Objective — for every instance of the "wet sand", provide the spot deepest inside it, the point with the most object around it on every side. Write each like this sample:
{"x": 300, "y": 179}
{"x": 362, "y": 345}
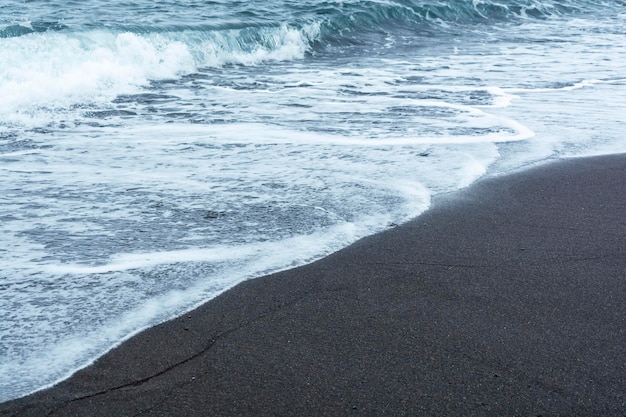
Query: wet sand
{"x": 508, "y": 298}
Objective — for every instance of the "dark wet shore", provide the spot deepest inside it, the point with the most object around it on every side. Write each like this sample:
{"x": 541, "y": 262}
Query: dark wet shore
{"x": 508, "y": 298}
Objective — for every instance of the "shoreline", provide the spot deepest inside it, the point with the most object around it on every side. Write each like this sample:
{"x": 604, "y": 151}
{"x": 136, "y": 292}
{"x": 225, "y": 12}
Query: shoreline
{"x": 504, "y": 298}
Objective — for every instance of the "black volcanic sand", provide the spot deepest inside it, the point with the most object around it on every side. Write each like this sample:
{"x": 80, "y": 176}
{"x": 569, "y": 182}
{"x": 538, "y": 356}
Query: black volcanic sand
{"x": 508, "y": 298}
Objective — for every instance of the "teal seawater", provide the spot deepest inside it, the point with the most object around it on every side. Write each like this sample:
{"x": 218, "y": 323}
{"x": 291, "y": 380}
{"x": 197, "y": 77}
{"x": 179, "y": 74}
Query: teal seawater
{"x": 341, "y": 20}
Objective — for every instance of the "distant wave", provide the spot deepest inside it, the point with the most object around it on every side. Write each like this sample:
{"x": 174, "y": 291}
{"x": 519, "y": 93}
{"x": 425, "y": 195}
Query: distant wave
{"x": 82, "y": 62}
{"x": 339, "y": 18}
{"x": 256, "y": 38}
{"x": 347, "y": 20}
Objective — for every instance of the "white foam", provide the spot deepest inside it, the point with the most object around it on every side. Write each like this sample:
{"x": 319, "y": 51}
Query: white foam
{"x": 57, "y": 70}
{"x": 44, "y": 73}
{"x": 58, "y": 359}
{"x": 131, "y": 261}
{"x": 506, "y": 130}
{"x": 281, "y": 44}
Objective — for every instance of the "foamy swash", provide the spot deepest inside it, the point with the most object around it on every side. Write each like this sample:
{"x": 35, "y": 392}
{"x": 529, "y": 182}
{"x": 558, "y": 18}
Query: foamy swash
{"x": 153, "y": 155}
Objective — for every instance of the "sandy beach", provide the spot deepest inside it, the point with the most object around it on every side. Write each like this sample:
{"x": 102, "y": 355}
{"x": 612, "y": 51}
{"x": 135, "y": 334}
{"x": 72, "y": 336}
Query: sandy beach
{"x": 507, "y": 298}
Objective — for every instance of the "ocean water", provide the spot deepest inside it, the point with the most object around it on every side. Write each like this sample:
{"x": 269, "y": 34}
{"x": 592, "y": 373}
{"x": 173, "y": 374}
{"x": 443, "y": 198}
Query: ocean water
{"x": 155, "y": 153}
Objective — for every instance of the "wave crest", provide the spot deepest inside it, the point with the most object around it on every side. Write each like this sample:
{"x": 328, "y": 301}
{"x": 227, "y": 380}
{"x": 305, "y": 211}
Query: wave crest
{"x": 58, "y": 69}
{"x": 434, "y": 16}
